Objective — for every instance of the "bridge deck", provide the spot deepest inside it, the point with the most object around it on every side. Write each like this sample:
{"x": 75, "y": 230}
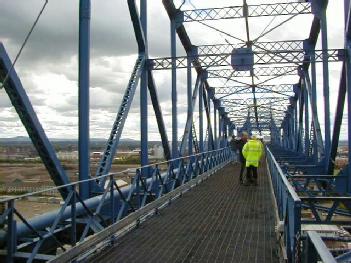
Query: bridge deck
{"x": 217, "y": 221}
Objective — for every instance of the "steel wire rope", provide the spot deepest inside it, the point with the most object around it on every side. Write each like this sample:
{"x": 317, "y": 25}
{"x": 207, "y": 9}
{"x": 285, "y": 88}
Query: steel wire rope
{"x": 278, "y": 25}
{"x": 24, "y": 43}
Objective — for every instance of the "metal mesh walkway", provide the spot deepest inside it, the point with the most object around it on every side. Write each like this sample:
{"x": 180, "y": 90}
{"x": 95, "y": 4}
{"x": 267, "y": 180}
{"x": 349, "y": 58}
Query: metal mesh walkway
{"x": 217, "y": 221}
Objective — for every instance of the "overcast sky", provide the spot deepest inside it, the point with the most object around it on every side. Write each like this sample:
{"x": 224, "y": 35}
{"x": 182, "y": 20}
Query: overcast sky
{"x": 48, "y": 66}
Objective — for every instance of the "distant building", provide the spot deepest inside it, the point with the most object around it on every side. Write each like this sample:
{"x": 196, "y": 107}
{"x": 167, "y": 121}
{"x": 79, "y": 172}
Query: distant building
{"x": 67, "y": 155}
{"x": 96, "y": 155}
{"x": 157, "y": 152}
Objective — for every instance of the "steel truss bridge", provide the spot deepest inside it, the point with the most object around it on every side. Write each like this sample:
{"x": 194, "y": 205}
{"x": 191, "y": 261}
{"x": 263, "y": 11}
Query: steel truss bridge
{"x": 247, "y": 84}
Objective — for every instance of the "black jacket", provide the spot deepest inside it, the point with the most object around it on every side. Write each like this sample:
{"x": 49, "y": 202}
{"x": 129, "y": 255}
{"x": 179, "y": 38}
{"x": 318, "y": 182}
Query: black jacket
{"x": 238, "y": 145}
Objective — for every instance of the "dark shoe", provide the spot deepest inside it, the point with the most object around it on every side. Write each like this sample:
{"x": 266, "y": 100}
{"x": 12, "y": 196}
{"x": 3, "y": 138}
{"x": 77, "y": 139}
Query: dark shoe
{"x": 241, "y": 181}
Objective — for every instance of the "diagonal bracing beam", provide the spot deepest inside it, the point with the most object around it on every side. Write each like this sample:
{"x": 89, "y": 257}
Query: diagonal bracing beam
{"x": 24, "y": 108}
{"x": 117, "y": 128}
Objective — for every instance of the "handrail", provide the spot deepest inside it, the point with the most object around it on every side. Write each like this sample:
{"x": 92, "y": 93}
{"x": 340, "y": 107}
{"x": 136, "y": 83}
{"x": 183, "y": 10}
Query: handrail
{"x": 283, "y": 177}
{"x": 106, "y": 175}
{"x": 110, "y": 206}
{"x": 289, "y": 208}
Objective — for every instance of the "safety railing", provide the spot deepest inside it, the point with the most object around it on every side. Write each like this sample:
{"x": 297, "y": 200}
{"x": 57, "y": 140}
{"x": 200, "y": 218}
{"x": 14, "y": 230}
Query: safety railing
{"x": 315, "y": 250}
{"x": 322, "y": 199}
{"x": 151, "y": 187}
{"x": 325, "y": 185}
{"x": 289, "y": 208}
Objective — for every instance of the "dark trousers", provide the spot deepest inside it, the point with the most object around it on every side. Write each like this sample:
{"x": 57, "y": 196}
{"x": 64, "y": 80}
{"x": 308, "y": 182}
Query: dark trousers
{"x": 251, "y": 173}
{"x": 242, "y": 169}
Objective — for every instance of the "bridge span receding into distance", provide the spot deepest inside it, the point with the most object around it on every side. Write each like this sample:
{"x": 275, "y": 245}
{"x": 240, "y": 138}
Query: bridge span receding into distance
{"x": 190, "y": 207}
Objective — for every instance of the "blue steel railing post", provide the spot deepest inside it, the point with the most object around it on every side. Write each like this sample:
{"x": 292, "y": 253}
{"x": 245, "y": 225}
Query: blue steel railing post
{"x": 174, "y": 90}
{"x": 144, "y": 160}
{"x": 112, "y": 199}
{"x": 201, "y": 118}
{"x": 190, "y": 107}
{"x": 83, "y": 78}
{"x": 73, "y": 217}
{"x": 297, "y": 229}
{"x": 11, "y": 232}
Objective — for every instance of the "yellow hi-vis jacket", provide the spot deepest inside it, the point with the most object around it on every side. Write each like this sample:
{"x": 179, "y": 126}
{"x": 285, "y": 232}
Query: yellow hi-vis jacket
{"x": 253, "y": 151}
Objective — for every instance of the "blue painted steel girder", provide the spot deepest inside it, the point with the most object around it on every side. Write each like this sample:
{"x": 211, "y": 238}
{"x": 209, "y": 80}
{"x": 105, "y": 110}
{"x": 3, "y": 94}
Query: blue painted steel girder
{"x": 283, "y": 89}
{"x": 24, "y": 108}
{"x": 271, "y": 71}
{"x": 83, "y": 98}
{"x": 233, "y": 12}
{"x": 256, "y": 46}
{"x": 261, "y": 58}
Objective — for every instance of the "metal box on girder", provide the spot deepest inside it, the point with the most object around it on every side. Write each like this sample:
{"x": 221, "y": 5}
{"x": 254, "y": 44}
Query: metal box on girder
{"x": 242, "y": 59}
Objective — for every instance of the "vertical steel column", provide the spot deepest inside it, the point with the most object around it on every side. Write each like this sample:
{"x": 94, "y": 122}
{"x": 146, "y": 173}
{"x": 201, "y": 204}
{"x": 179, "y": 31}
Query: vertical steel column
{"x": 324, "y": 36}
{"x": 210, "y": 133}
{"x": 225, "y": 134}
{"x": 295, "y": 125}
{"x": 201, "y": 118}
{"x": 174, "y": 90}
{"x": 314, "y": 102}
{"x": 307, "y": 120}
{"x": 291, "y": 132}
{"x": 215, "y": 124}
{"x": 190, "y": 107}
{"x": 143, "y": 95}
{"x": 83, "y": 99}
{"x": 301, "y": 121}
{"x": 348, "y": 83}
{"x": 220, "y": 126}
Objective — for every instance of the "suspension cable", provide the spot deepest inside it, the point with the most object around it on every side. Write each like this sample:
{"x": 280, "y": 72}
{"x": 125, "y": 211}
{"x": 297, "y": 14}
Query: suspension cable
{"x": 24, "y": 43}
{"x": 280, "y": 24}
{"x": 220, "y": 31}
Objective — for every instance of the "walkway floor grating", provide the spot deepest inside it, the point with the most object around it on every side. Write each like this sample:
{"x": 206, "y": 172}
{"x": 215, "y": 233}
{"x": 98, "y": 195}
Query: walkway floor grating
{"x": 217, "y": 221}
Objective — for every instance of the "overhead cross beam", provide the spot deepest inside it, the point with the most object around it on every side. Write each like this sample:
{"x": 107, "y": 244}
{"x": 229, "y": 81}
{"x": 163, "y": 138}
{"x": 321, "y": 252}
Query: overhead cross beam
{"x": 258, "y": 72}
{"x": 261, "y": 58}
{"x": 232, "y": 12}
{"x": 257, "y": 46}
{"x": 284, "y": 89}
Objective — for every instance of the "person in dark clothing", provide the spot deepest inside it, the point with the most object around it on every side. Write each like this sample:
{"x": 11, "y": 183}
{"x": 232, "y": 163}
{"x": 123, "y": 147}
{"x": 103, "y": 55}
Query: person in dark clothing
{"x": 238, "y": 145}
